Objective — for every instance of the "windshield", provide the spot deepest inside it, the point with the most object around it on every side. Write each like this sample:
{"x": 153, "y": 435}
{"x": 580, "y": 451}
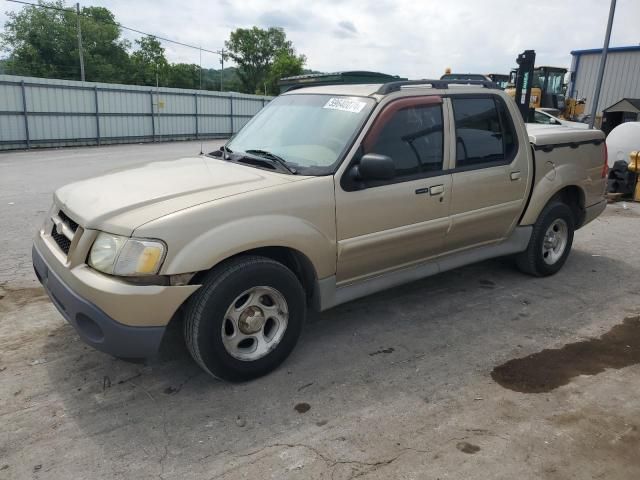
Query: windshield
{"x": 555, "y": 82}
{"x": 309, "y": 132}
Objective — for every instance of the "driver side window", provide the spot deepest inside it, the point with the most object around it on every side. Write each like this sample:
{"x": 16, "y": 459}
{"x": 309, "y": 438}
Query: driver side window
{"x": 413, "y": 138}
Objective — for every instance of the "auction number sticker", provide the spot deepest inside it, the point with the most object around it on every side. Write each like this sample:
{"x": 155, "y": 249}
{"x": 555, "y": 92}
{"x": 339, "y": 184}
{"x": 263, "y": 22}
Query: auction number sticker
{"x": 345, "y": 105}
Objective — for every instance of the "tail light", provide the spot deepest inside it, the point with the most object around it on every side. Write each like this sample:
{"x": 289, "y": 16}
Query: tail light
{"x": 605, "y": 167}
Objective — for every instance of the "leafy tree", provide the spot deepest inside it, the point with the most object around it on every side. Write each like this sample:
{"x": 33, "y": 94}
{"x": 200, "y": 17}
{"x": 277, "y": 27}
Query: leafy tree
{"x": 283, "y": 66}
{"x": 230, "y": 80}
{"x": 184, "y": 75}
{"x": 43, "y": 42}
{"x": 149, "y": 63}
{"x": 106, "y": 57}
{"x": 255, "y": 51}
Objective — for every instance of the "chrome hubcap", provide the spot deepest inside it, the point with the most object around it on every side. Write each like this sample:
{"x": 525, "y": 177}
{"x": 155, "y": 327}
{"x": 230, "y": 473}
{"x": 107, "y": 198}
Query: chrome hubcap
{"x": 255, "y": 323}
{"x": 555, "y": 241}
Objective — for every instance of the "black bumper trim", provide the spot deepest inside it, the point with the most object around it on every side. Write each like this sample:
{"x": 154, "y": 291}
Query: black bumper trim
{"x": 94, "y": 326}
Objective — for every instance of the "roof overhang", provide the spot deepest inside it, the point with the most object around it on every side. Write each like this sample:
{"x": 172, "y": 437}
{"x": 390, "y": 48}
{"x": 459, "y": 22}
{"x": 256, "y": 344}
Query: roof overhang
{"x": 592, "y": 51}
{"x": 625, "y": 105}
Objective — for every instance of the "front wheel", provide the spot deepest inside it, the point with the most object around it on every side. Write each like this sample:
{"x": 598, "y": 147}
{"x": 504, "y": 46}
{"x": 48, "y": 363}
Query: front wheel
{"x": 550, "y": 241}
{"x": 246, "y": 318}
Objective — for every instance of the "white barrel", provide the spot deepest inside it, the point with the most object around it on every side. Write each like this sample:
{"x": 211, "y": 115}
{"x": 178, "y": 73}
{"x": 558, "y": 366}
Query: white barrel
{"x": 623, "y": 140}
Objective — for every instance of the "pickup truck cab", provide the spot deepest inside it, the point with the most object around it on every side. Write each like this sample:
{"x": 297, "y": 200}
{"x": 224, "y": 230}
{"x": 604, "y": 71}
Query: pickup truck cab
{"x": 329, "y": 194}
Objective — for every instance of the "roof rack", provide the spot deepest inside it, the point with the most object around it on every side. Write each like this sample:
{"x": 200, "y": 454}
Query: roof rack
{"x": 439, "y": 84}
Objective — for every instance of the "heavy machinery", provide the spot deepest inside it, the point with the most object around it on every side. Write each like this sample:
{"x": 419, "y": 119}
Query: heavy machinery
{"x": 500, "y": 79}
{"x": 547, "y": 89}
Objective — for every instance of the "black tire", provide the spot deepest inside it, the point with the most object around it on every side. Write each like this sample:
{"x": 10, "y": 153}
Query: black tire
{"x": 206, "y": 309}
{"x": 532, "y": 260}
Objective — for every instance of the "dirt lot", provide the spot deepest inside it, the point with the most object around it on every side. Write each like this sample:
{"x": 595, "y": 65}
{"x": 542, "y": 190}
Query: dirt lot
{"x": 479, "y": 373}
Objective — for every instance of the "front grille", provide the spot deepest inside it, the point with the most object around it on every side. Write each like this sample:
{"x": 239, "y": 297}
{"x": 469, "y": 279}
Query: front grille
{"x": 63, "y": 242}
{"x": 62, "y": 239}
{"x": 70, "y": 223}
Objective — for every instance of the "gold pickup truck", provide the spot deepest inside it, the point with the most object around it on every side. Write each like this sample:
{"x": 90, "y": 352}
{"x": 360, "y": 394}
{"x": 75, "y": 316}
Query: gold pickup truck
{"x": 328, "y": 194}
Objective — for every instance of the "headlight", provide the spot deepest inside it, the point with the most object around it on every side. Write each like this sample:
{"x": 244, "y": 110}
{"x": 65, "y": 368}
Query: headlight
{"x": 125, "y": 256}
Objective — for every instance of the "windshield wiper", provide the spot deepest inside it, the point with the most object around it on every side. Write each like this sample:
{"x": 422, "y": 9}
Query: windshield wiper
{"x": 273, "y": 157}
{"x": 223, "y": 152}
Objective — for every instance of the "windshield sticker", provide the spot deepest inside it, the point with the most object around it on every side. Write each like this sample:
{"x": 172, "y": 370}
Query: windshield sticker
{"x": 345, "y": 105}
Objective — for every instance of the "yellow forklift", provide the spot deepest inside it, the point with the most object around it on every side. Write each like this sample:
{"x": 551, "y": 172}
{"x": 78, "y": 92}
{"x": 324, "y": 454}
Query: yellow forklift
{"x": 548, "y": 91}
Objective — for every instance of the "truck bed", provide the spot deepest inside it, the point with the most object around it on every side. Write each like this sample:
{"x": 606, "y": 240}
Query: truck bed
{"x": 566, "y": 156}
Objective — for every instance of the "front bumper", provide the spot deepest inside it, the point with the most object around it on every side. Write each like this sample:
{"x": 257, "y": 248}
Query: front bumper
{"x": 93, "y": 325}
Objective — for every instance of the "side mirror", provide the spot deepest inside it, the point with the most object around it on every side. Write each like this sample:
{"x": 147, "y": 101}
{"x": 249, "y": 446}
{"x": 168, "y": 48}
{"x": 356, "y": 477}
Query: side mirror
{"x": 374, "y": 166}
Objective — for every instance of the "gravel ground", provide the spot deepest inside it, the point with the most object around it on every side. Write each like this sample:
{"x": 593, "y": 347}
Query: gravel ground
{"x": 433, "y": 380}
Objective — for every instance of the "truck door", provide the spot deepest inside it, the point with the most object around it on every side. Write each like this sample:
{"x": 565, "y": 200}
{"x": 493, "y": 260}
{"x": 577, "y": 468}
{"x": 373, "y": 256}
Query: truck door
{"x": 490, "y": 171}
{"x": 382, "y": 225}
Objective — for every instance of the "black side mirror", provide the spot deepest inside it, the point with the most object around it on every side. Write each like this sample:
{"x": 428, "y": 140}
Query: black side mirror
{"x": 374, "y": 166}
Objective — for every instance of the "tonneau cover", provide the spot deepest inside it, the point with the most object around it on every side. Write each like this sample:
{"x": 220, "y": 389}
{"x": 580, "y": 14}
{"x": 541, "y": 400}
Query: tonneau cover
{"x": 541, "y": 135}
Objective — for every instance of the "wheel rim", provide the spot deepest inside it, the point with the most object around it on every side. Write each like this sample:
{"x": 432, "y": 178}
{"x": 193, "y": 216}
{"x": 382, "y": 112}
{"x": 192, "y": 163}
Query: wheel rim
{"x": 555, "y": 241}
{"x": 255, "y": 323}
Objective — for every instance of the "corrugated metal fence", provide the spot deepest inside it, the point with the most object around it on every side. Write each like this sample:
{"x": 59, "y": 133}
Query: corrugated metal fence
{"x": 38, "y": 112}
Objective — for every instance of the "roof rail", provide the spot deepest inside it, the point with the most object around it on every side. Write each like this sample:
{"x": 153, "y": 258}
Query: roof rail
{"x": 439, "y": 84}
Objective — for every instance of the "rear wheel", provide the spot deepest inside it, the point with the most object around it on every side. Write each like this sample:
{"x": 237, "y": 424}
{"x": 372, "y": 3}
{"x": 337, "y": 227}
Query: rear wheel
{"x": 246, "y": 318}
{"x": 550, "y": 241}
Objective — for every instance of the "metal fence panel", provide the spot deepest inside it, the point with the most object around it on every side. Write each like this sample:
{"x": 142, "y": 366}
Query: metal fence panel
{"x": 59, "y": 127}
{"x": 125, "y": 101}
{"x": 37, "y": 112}
{"x": 12, "y": 129}
{"x": 10, "y": 98}
{"x": 116, "y": 127}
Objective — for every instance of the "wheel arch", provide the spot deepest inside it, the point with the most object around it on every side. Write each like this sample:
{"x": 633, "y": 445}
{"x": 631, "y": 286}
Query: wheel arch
{"x": 574, "y": 197}
{"x": 293, "y": 259}
{"x": 570, "y": 194}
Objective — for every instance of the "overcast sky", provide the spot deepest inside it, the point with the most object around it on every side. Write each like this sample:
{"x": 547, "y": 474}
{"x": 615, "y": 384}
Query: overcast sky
{"x": 412, "y": 38}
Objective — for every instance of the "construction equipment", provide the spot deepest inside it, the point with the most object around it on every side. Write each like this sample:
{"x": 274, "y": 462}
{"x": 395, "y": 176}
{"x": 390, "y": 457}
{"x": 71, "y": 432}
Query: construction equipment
{"x": 634, "y": 166}
{"x": 500, "y": 79}
{"x": 548, "y": 90}
{"x": 521, "y": 90}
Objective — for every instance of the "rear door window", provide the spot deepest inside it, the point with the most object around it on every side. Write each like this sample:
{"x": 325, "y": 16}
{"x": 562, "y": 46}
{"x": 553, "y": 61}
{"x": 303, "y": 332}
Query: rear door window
{"x": 484, "y": 132}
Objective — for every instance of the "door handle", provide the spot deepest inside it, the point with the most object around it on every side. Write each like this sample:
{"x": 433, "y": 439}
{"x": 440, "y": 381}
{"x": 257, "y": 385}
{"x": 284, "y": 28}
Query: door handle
{"x": 436, "y": 190}
{"x": 515, "y": 176}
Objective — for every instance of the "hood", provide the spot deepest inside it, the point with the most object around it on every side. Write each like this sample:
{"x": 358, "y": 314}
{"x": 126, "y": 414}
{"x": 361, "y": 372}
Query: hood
{"x": 121, "y": 201}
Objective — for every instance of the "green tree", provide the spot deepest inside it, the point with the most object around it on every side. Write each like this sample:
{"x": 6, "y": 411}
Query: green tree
{"x": 148, "y": 63}
{"x": 43, "y": 42}
{"x": 184, "y": 75}
{"x": 256, "y": 51}
{"x": 283, "y": 66}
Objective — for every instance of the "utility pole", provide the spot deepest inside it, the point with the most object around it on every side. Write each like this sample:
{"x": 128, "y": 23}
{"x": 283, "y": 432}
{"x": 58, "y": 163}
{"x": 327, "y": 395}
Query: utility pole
{"x": 80, "y": 43}
{"x": 200, "y": 68}
{"x": 221, "y": 69}
{"x": 603, "y": 61}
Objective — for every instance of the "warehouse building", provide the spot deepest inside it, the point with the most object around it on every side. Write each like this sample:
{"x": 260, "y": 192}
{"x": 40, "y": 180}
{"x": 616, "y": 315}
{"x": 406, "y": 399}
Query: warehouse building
{"x": 621, "y": 82}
